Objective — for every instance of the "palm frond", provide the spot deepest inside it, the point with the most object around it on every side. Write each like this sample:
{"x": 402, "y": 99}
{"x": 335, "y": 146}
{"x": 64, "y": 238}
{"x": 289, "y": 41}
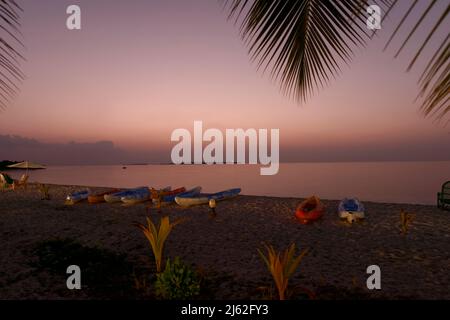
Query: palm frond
{"x": 10, "y": 74}
{"x": 434, "y": 81}
{"x": 303, "y": 42}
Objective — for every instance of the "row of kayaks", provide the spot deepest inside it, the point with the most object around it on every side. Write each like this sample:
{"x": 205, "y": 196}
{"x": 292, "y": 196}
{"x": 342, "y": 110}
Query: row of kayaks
{"x": 181, "y": 196}
{"x": 313, "y": 209}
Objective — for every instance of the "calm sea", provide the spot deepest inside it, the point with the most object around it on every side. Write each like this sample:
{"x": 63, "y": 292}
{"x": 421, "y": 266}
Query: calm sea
{"x": 398, "y": 182}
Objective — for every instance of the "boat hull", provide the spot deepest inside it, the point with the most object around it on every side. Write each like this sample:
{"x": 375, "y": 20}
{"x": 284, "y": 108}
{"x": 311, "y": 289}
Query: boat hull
{"x": 77, "y": 197}
{"x": 310, "y": 210}
{"x": 136, "y": 197}
{"x": 167, "y": 195}
{"x": 351, "y": 209}
{"x": 351, "y": 216}
{"x": 100, "y": 197}
{"x": 187, "y": 201}
{"x": 117, "y": 197}
{"x": 308, "y": 217}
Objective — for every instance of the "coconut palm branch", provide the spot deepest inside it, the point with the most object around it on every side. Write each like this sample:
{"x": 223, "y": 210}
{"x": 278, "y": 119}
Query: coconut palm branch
{"x": 304, "y": 42}
{"x": 435, "y": 79}
{"x": 10, "y": 74}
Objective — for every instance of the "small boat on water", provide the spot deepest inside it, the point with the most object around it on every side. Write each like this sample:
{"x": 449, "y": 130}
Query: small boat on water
{"x": 117, "y": 196}
{"x": 99, "y": 197}
{"x": 191, "y": 200}
{"x": 310, "y": 210}
{"x": 77, "y": 197}
{"x": 351, "y": 209}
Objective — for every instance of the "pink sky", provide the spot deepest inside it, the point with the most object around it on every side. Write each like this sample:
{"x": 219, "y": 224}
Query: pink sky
{"x": 139, "y": 69}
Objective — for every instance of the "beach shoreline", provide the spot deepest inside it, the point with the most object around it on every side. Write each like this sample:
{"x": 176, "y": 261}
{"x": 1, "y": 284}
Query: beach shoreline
{"x": 413, "y": 266}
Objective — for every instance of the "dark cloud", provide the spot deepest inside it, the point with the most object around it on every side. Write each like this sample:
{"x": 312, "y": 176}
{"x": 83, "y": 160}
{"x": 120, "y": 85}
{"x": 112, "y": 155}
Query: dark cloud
{"x": 105, "y": 152}
{"x": 102, "y": 152}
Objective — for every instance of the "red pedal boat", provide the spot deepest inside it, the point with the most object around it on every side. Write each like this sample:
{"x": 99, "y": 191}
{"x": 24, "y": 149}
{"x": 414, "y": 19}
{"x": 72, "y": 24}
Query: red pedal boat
{"x": 310, "y": 210}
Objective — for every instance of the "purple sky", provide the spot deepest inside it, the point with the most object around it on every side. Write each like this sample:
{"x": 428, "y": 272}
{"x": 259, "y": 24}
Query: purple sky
{"x": 139, "y": 69}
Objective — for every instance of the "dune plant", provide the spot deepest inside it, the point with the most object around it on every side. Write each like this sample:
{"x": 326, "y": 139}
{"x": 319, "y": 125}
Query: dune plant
{"x": 178, "y": 281}
{"x": 405, "y": 221}
{"x": 282, "y": 266}
{"x": 44, "y": 190}
{"x": 157, "y": 236}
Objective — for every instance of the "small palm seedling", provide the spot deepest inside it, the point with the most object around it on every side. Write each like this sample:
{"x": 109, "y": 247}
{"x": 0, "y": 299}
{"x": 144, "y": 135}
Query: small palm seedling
{"x": 405, "y": 221}
{"x": 282, "y": 266}
{"x": 44, "y": 190}
{"x": 157, "y": 236}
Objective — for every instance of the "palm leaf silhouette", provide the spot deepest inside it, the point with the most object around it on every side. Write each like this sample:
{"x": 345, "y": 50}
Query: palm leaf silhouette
{"x": 435, "y": 78}
{"x": 304, "y": 42}
{"x": 10, "y": 73}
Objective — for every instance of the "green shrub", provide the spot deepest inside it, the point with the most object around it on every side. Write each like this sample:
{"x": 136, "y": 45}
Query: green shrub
{"x": 177, "y": 282}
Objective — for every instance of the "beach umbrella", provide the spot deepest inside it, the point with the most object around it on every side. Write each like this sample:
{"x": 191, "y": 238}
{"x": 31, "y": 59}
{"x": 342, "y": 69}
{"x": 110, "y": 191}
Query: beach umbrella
{"x": 26, "y": 165}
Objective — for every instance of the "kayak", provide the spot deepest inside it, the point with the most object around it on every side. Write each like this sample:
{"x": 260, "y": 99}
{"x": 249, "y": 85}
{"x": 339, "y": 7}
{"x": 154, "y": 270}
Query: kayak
{"x": 165, "y": 195}
{"x": 77, "y": 197}
{"x": 190, "y": 200}
{"x": 136, "y": 197}
{"x": 99, "y": 197}
{"x": 351, "y": 209}
{"x": 189, "y": 193}
{"x": 117, "y": 197}
{"x": 310, "y": 210}
{"x": 139, "y": 196}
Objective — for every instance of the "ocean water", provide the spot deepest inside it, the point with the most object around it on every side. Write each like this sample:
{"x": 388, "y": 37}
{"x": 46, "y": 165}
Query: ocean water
{"x": 396, "y": 182}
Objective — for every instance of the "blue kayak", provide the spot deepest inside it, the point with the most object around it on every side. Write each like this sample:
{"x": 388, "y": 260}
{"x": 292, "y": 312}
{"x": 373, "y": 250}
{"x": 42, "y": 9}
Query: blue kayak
{"x": 77, "y": 197}
{"x": 117, "y": 197}
{"x": 187, "y": 200}
{"x": 138, "y": 196}
{"x": 351, "y": 209}
{"x": 189, "y": 193}
{"x": 350, "y": 205}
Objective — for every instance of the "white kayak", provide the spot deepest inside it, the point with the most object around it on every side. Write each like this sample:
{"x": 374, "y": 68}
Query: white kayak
{"x": 189, "y": 200}
{"x": 351, "y": 216}
{"x": 351, "y": 209}
{"x": 77, "y": 197}
{"x": 136, "y": 197}
{"x": 117, "y": 197}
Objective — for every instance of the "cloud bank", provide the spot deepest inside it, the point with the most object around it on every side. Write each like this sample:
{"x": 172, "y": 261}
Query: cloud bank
{"x": 72, "y": 153}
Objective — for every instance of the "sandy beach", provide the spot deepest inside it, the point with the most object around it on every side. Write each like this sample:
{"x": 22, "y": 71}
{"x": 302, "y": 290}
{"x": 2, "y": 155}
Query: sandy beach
{"x": 224, "y": 248}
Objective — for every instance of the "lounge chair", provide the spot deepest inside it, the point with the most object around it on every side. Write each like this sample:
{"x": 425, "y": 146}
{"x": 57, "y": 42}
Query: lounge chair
{"x": 22, "y": 183}
{"x": 443, "y": 197}
{"x": 6, "y": 182}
